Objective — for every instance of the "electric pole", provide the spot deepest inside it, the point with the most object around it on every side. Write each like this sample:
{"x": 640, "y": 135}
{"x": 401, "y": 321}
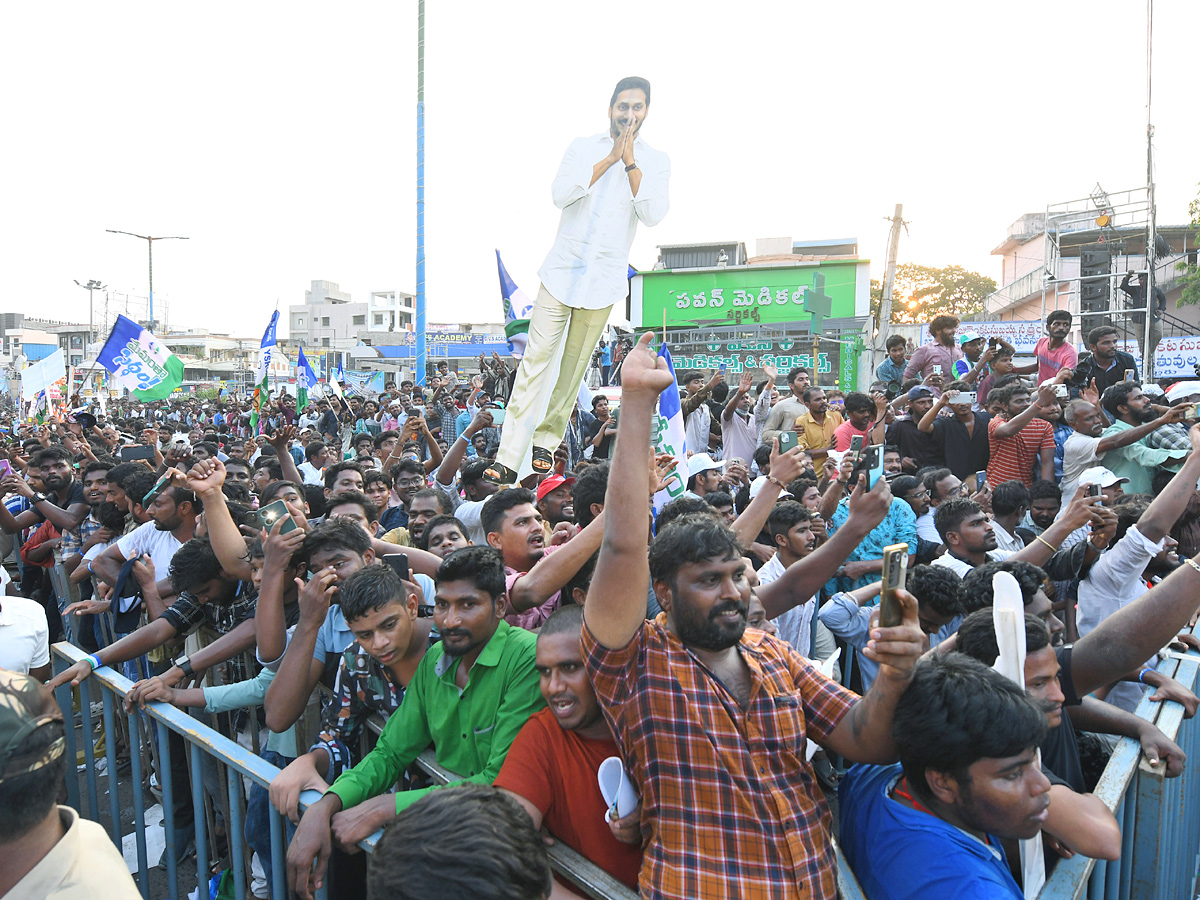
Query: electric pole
{"x": 889, "y": 280}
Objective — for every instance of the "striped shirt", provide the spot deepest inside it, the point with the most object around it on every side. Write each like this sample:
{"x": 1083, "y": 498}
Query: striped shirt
{"x": 730, "y": 805}
{"x": 1014, "y": 458}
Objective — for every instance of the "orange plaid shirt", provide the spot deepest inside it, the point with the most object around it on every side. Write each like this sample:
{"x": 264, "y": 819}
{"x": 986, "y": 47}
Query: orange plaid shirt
{"x": 733, "y": 807}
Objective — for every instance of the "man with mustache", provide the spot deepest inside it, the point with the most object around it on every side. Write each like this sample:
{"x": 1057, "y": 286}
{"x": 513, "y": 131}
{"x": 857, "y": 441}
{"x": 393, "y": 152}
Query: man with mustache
{"x": 471, "y": 693}
{"x": 533, "y": 576}
{"x": 551, "y": 768}
{"x": 683, "y": 691}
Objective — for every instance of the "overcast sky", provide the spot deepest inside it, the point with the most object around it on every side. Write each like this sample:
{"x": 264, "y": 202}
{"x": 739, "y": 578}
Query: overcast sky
{"x": 280, "y": 137}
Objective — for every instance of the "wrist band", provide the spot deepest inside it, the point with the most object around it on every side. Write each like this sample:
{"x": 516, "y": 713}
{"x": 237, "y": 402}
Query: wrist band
{"x": 631, "y": 167}
{"x": 1142, "y": 675}
{"x": 776, "y": 481}
{"x": 1053, "y": 549}
{"x": 94, "y": 660}
{"x": 1191, "y": 562}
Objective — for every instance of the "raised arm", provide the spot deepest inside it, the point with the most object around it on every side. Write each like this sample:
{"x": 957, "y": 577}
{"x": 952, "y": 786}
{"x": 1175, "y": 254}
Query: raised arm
{"x": 206, "y": 478}
{"x": 785, "y": 467}
{"x": 618, "y": 590}
{"x": 1165, "y": 509}
{"x": 280, "y": 441}
{"x": 1129, "y": 436}
{"x": 803, "y": 579}
{"x": 927, "y": 420}
{"x": 454, "y": 455}
{"x": 555, "y": 569}
{"x": 1044, "y": 398}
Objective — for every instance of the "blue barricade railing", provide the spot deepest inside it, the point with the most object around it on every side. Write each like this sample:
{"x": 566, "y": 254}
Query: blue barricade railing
{"x": 1159, "y": 816}
{"x": 203, "y": 743}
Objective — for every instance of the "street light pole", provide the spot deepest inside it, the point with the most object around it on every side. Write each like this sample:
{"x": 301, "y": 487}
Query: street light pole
{"x": 150, "y": 249}
{"x": 92, "y": 285}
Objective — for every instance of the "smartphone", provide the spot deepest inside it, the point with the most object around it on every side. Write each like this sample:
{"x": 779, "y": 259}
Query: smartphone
{"x": 980, "y": 479}
{"x": 399, "y": 564}
{"x": 856, "y": 443}
{"x": 1130, "y": 374}
{"x": 1094, "y": 490}
{"x": 273, "y": 512}
{"x": 787, "y": 440}
{"x": 159, "y": 487}
{"x": 962, "y": 398}
{"x": 937, "y": 369}
{"x": 895, "y": 571}
{"x": 722, "y": 368}
{"x": 871, "y": 463}
{"x": 498, "y": 416}
{"x": 5, "y": 468}
{"x": 1061, "y": 392}
{"x": 129, "y": 454}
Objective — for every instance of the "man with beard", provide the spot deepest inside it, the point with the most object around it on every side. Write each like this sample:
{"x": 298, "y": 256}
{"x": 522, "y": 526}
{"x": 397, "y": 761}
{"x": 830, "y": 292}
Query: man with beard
{"x": 1106, "y": 365}
{"x": 478, "y": 681}
{"x": 62, "y": 503}
{"x": 752, "y": 806}
{"x": 561, "y": 748}
{"x": 172, "y": 523}
{"x": 815, "y": 427}
{"x": 1090, "y": 442}
{"x": 533, "y": 576}
{"x": 1053, "y": 352}
{"x": 1017, "y": 440}
{"x": 966, "y": 530}
{"x": 1130, "y": 410}
{"x": 606, "y": 184}
{"x": 1142, "y": 550}
{"x": 936, "y": 358}
{"x": 425, "y": 504}
{"x": 90, "y": 532}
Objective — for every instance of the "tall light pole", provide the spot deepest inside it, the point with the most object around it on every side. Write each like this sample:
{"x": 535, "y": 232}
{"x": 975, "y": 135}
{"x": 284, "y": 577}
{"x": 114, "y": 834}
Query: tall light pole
{"x": 150, "y": 248}
{"x": 419, "y": 373}
{"x": 92, "y": 285}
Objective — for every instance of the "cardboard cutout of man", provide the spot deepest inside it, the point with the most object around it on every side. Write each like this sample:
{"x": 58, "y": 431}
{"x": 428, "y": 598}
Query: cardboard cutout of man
{"x": 605, "y": 185}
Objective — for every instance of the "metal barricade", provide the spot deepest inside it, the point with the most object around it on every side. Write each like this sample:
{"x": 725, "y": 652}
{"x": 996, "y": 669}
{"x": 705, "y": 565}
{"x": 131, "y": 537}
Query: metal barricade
{"x": 201, "y": 742}
{"x": 234, "y": 760}
{"x": 1159, "y": 816}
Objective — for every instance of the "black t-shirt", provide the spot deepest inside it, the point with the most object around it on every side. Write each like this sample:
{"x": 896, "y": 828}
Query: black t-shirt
{"x": 605, "y": 447}
{"x": 1060, "y": 752}
{"x": 964, "y": 454}
{"x": 922, "y": 448}
{"x": 75, "y": 495}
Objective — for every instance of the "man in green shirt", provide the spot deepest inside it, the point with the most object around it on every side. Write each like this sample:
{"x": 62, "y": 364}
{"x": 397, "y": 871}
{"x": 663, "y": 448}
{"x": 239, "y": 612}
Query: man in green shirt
{"x": 469, "y": 697}
{"x": 1128, "y": 407}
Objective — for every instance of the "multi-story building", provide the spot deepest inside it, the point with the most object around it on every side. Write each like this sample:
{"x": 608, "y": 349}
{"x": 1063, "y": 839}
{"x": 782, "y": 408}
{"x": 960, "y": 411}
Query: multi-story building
{"x": 329, "y": 320}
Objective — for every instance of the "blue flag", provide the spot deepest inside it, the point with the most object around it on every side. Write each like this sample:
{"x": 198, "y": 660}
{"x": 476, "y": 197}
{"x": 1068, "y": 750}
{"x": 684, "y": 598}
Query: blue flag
{"x": 305, "y": 379}
{"x": 139, "y": 362}
{"x": 669, "y": 437}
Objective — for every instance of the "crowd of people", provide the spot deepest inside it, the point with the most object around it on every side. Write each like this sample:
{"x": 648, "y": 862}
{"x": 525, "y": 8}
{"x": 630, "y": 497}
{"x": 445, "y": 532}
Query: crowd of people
{"x": 727, "y": 651}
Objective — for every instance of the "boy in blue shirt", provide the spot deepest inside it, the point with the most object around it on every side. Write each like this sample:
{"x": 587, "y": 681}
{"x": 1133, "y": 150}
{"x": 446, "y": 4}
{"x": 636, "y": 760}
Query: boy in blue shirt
{"x": 968, "y": 777}
{"x": 892, "y": 368}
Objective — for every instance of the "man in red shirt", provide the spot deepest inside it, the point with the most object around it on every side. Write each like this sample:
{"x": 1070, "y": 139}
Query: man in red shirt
{"x": 1016, "y": 438}
{"x": 864, "y": 418}
{"x": 551, "y": 767}
{"x": 1053, "y": 352}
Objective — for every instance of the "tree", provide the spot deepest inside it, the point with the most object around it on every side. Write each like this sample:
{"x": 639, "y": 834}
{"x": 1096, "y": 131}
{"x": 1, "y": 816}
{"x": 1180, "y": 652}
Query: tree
{"x": 1190, "y": 277}
{"x": 922, "y": 292}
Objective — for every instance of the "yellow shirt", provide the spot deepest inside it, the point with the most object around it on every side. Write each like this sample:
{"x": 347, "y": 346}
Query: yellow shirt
{"x": 83, "y": 865}
{"x": 814, "y": 435}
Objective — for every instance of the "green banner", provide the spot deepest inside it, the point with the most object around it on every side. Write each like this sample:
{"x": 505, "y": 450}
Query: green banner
{"x": 760, "y": 294}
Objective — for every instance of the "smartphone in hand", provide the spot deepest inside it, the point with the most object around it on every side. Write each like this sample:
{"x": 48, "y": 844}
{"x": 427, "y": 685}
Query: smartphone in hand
{"x": 895, "y": 574}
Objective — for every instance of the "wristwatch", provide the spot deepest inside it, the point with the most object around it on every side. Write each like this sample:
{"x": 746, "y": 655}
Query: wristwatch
{"x": 38, "y": 497}
{"x": 185, "y": 664}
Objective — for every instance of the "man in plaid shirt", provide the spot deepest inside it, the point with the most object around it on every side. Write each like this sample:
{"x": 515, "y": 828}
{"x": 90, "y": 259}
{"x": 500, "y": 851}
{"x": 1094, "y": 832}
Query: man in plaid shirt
{"x": 712, "y": 720}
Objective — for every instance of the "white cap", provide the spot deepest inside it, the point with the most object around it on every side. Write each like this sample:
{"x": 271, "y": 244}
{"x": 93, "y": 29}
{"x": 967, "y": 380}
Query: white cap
{"x": 756, "y": 486}
{"x": 1183, "y": 389}
{"x": 702, "y": 462}
{"x": 1101, "y": 476}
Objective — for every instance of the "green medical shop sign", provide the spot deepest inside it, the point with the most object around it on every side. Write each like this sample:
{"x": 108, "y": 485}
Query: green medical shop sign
{"x": 750, "y": 294}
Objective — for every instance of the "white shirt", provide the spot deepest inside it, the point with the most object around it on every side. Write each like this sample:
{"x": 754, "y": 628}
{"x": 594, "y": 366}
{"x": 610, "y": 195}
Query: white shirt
{"x": 925, "y": 528}
{"x": 587, "y": 268}
{"x": 1079, "y": 454}
{"x": 961, "y": 567}
{"x": 311, "y": 474}
{"x": 697, "y": 428}
{"x": 1115, "y": 581}
{"x": 1006, "y": 541}
{"x": 467, "y": 512}
{"x": 24, "y": 635}
{"x": 159, "y": 545}
{"x": 83, "y": 865}
{"x": 795, "y": 625}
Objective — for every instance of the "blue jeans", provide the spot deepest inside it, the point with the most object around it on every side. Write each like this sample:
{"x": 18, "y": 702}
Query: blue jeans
{"x": 258, "y": 822}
